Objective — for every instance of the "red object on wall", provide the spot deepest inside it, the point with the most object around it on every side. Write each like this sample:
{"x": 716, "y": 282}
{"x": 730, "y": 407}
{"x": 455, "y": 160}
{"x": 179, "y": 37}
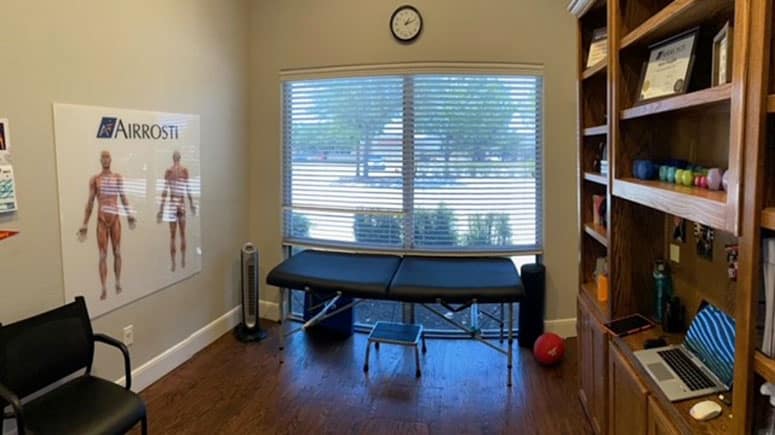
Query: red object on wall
{"x": 4, "y": 234}
{"x": 549, "y": 349}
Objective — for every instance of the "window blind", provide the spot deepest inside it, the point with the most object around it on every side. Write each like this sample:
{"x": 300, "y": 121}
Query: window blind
{"x": 414, "y": 162}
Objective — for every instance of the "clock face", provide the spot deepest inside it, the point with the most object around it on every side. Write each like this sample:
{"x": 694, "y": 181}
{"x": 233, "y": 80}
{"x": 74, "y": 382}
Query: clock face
{"x": 406, "y": 23}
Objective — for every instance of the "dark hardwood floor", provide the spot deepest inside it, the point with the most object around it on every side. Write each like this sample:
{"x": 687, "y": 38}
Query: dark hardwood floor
{"x": 236, "y": 388}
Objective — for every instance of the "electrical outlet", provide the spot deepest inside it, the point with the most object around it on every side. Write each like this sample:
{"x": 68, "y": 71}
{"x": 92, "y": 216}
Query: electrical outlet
{"x": 129, "y": 335}
{"x": 675, "y": 253}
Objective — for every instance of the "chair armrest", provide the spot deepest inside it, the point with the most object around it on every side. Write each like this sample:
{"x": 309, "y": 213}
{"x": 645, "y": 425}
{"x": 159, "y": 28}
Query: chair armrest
{"x": 102, "y": 338}
{"x": 16, "y": 404}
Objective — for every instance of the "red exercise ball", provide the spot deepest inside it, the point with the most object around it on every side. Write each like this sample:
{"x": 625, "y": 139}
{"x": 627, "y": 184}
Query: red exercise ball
{"x": 549, "y": 349}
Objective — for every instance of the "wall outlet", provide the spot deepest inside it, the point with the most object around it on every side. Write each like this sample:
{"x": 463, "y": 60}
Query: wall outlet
{"x": 129, "y": 335}
{"x": 675, "y": 253}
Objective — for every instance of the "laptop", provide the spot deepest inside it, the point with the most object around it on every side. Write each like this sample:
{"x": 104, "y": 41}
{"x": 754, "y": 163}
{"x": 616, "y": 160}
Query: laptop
{"x": 702, "y": 365}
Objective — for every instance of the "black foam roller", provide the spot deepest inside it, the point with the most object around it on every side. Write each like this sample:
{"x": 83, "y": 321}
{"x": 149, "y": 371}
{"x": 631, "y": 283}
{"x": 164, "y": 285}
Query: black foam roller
{"x": 531, "y": 308}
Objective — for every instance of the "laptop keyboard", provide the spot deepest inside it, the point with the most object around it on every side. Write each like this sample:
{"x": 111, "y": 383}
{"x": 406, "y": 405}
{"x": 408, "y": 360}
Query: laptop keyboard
{"x": 694, "y": 378}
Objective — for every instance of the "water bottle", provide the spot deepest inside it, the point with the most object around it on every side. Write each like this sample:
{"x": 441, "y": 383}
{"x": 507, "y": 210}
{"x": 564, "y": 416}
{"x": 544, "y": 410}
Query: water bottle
{"x": 663, "y": 288}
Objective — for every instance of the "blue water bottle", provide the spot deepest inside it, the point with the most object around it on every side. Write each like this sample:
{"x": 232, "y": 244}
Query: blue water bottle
{"x": 663, "y": 288}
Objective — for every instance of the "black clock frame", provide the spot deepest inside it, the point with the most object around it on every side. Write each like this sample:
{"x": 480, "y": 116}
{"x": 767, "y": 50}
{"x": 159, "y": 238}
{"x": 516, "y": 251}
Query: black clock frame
{"x": 392, "y": 17}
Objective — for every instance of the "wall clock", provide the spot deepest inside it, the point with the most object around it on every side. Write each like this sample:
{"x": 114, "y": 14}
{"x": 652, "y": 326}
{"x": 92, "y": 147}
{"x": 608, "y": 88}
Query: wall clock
{"x": 406, "y": 23}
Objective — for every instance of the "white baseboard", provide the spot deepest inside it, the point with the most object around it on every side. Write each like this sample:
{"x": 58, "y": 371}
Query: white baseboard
{"x": 563, "y": 327}
{"x": 157, "y": 367}
{"x": 269, "y": 310}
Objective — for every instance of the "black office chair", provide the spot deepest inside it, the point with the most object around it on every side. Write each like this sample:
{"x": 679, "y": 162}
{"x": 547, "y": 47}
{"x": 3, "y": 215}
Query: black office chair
{"x": 38, "y": 351}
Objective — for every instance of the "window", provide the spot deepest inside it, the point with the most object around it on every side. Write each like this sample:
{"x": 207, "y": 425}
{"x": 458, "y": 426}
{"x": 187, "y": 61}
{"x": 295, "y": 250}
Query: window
{"x": 414, "y": 162}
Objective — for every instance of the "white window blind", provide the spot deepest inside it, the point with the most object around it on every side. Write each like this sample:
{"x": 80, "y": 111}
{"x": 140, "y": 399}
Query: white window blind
{"x": 414, "y": 162}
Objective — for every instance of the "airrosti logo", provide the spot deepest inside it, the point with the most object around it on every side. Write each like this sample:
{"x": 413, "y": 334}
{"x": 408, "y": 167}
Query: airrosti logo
{"x": 113, "y": 128}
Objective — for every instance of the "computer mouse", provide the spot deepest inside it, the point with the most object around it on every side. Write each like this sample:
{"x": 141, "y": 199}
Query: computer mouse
{"x": 705, "y": 410}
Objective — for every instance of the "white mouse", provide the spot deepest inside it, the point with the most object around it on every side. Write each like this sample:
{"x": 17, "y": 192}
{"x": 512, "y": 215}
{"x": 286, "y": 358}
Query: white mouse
{"x": 705, "y": 410}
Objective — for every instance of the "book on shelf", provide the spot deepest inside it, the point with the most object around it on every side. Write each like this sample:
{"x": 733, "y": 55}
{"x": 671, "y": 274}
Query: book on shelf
{"x": 598, "y": 210}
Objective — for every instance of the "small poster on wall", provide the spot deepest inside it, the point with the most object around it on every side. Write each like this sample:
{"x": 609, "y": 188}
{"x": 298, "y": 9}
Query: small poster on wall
{"x": 7, "y": 190}
{"x": 5, "y": 137}
{"x": 129, "y": 190}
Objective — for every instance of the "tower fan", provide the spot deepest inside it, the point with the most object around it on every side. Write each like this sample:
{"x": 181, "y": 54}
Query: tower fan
{"x": 249, "y": 329}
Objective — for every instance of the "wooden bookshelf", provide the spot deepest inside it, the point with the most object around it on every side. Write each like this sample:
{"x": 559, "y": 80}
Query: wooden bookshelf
{"x": 598, "y": 232}
{"x": 714, "y": 95}
{"x": 595, "y": 177}
{"x": 677, "y": 16}
{"x": 698, "y": 205}
{"x": 764, "y": 366}
{"x": 593, "y": 113}
{"x": 597, "y": 130}
{"x": 594, "y": 69}
{"x": 724, "y": 126}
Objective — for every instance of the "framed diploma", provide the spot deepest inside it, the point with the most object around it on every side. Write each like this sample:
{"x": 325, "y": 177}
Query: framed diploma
{"x": 669, "y": 66}
{"x": 722, "y": 56}
{"x": 598, "y": 48}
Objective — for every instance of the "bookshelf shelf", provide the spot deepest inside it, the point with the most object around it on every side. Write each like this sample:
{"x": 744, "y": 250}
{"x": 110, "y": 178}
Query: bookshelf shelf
{"x": 598, "y": 232}
{"x": 596, "y": 177}
{"x": 596, "y": 130}
{"x": 699, "y": 205}
{"x": 771, "y": 103}
{"x": 768, "y": 218}
{"x": 677, "y": 16}
{"x": 764, "y": 366}
{"x": 715, "y": 95}
{"x": 594, "y": 69}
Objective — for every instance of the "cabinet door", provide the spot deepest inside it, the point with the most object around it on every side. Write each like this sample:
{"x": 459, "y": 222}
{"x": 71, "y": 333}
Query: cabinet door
{"x": 627, "y": 398}
{"x": 593, "y": 360}
{"x": 599, "y": 371}
{"x": 586, "y": 385}
{"x": 659, "y": 423}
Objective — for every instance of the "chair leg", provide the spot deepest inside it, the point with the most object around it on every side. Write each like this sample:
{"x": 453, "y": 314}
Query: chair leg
{"x": 144, "y": 426}
{"x": 424, "y": 347}
{"x": 366, "y": 361}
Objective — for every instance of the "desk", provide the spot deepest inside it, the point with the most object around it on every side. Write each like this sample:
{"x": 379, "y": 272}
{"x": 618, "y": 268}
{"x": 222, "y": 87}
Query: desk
{"x": 677, "y": 413}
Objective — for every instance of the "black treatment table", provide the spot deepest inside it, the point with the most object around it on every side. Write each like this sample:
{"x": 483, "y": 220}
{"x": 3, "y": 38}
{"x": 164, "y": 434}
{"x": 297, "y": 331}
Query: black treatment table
{"x": 462, "y": 281}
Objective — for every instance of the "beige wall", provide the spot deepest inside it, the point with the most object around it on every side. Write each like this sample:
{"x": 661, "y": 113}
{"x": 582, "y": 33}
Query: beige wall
{"x": 169, "y": 55}
{"x": 315, "y": 33}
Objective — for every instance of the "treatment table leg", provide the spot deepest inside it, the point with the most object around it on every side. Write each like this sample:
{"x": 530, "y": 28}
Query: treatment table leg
{"x": 511, "y": 341}
{"x": 366, "y": 361}
{"x": 501, "y": 336}
{"x": 281, "y": 327}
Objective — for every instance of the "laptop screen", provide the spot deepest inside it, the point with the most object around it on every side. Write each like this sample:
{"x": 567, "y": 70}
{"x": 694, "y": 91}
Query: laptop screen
{"x": 711, "y": 337}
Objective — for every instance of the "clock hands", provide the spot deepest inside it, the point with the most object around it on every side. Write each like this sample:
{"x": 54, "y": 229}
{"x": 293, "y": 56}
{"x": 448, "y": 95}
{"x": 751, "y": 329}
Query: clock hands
{"x": 408, "y": 22}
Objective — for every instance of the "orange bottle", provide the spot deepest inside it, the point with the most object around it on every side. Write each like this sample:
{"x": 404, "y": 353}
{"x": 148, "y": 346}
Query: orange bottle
{"x": 602, "y": 287}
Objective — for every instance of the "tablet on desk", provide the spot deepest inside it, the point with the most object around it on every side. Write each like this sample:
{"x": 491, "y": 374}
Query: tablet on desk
{"x": 629, "y": 325}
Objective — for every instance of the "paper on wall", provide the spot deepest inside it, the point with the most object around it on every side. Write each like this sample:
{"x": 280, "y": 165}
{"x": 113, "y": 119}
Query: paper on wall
{"x": 7, "y": 190}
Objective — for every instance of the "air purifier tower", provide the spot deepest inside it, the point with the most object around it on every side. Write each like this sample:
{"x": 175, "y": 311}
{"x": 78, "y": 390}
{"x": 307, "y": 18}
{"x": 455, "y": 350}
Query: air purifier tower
{"x": 249, "y": 329}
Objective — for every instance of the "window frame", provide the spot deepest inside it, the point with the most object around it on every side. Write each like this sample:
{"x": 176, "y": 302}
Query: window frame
{"x": 402, "y": 69}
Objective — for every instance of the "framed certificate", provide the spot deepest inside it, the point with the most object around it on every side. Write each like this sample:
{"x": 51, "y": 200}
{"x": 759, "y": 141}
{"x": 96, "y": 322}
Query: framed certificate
{"x": 669, "y": 67}
{"x": 722, "y": 56}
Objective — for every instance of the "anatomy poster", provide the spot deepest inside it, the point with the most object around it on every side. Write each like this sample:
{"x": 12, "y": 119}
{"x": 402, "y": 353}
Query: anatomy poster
{"x": 129, "y": 190}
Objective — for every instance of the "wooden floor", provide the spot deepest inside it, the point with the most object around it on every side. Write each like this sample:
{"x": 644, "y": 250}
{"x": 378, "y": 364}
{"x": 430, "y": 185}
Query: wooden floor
{"x": 236, "y": 388}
